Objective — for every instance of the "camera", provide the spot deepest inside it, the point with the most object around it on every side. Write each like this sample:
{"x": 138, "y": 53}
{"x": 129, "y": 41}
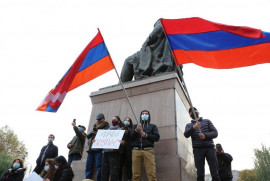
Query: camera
{"x": 219, "y": 147}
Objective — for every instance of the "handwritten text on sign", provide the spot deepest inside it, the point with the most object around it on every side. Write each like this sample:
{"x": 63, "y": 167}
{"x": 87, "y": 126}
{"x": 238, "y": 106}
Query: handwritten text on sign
{"x": 108, "y": 139}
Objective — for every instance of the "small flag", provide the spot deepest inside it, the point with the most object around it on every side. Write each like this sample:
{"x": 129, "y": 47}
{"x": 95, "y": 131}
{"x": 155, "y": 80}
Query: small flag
{"x": 214, "y": 45}
{"x": 93, "y": 61}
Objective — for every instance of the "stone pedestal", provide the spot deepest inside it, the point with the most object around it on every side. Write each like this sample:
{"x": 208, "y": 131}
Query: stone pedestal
{"x": 164, "y": 97}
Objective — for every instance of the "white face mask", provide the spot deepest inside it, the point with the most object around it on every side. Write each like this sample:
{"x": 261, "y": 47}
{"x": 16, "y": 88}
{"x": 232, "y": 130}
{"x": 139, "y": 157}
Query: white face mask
{"x": 126, "y": 123}
{"x": 16, "y": 165}
{"x": 144, "y": 117}
{"x": 46, "y": 168}
{"x": 80, "y": 129}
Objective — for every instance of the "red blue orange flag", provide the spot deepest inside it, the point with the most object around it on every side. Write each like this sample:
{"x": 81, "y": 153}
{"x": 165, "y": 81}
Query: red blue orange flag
{"x": 93, "y": 61}
{"x": 215, "y": 45}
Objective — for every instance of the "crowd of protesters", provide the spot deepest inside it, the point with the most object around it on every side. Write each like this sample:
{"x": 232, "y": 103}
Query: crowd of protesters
{"x": 136, "y": 148}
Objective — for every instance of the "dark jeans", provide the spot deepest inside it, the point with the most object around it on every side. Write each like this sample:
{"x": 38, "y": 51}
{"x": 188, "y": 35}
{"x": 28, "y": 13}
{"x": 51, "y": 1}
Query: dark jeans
{"x": 75, "y": 156}
{"x": 93, "y": 157}
{"x": 110, "y": 166}
{"x": 126, "y": 161}
{"x": 200, "y": 154}
{"x": 226, "y": 179}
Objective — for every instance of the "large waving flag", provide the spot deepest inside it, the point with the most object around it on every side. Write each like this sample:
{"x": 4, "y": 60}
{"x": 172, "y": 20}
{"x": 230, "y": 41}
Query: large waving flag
{"x": 214, "y": 45}
{"x": 93, "y": 61}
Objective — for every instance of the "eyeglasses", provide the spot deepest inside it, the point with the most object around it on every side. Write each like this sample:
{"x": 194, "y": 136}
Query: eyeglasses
{"x": 50, "y": 137}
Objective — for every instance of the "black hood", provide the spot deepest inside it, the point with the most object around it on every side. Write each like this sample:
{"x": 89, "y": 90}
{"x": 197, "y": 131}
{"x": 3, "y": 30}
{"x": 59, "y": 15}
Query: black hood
{"x": 61, "y": 159}
{"x": 149, "y": 119}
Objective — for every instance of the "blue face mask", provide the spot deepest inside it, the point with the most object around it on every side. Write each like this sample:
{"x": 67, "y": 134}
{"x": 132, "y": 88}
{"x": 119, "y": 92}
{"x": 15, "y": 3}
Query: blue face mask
{"x": 16, "y": 165}
{"x": 80, "y": 129}
{"x": 50, "y": 140}
{"x": 126, "y": 123}
{"x": 144, "y": 117}
{"x": 56, "y": 166}
{"x": 46, "y": 168}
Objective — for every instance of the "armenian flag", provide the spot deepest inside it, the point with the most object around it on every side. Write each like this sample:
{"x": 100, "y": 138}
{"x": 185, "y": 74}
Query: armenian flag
{"x": 214, "y": 45}
{"x": 93, "y": 61}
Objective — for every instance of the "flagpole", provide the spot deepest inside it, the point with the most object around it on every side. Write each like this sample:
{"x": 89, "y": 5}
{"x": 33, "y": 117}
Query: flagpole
{"x": 182, "y": 79}
{"x": 121, "y": 82}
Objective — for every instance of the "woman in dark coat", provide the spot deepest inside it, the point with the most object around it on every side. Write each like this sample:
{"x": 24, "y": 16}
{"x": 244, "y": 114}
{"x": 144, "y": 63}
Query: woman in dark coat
{"x": 63, "y": 170}
{"x": 126, "y": 157}
{"x": 16, "y": 172}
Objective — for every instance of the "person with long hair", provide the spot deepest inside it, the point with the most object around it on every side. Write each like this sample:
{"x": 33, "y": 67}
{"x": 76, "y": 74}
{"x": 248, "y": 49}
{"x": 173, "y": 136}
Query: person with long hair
{"x": 63, "y": 170}
{"x": 16, "y": 171}
{"x": 49, "y": 170}
{"x": 112, "y": 157}
{"x": 126, "y": 156}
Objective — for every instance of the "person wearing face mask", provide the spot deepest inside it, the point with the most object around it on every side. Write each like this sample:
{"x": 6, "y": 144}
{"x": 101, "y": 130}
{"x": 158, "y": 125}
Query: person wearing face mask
{"x": 48, "y": 151}
{"x": 143, "y": 136}
{"x": 63, "y": 170}
{"x": 202, "y": 132}
{"x": 76, "y": 145}
{"x": 126, "y": 156}
{"x": 49, "y": 170}
{"x": 112, "y": 157}
{"x": 94, "y": 156}
{"x": 16, "y": 172}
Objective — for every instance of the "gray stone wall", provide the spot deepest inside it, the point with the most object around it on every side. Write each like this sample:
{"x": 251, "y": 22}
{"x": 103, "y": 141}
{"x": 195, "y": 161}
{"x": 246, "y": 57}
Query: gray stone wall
{"x": 163, "y": 96}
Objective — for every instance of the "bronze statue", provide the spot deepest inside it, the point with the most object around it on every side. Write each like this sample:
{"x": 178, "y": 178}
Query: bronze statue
{"x": 154, "y": 58}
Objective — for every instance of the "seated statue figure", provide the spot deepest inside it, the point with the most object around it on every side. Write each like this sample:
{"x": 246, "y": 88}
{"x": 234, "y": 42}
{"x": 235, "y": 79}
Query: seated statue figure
{"x": 154, "y": 58}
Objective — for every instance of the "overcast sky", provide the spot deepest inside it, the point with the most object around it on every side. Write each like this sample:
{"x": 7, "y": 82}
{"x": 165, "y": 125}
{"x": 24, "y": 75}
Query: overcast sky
{"x": 39, "y": 41}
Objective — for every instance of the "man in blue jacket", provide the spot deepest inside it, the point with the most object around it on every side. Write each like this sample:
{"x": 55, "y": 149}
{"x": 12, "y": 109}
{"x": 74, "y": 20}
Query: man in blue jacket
{"x": 202, "y": 132}
{"x": 143, "y": 136}
{"x": 48, "y": 151}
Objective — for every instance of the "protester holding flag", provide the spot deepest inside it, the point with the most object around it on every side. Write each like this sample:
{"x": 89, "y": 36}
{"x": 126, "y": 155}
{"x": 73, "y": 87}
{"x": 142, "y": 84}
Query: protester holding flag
{"x": 76, "y": 145}
{"x": 48, "y": 151}
{"x": 202, "y": 133}
{"x": 16, "y": 172}
{"x": 94, "y": 156}
{"x": 143, "y": 136}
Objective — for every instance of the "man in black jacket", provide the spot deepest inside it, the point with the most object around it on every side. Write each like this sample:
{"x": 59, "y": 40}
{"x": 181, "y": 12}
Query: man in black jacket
{"x": 143, "y": 136}
{"x": 224, "y": 163}
{"x": 48, "y": 151}
{"x": 202, "y": 133}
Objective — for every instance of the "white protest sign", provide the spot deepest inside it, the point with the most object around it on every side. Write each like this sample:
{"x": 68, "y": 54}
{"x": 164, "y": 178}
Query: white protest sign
{"x": 108, "y": 139}
{"x": 33, "y": 177}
